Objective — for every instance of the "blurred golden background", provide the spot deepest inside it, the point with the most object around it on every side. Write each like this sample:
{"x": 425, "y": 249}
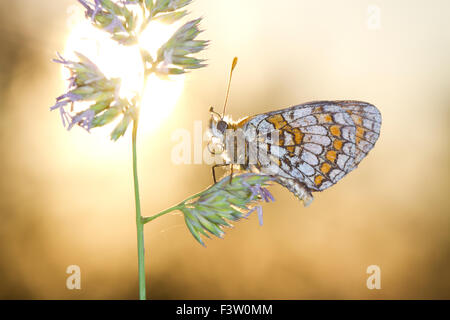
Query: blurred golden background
{"x": 66, "y": 197}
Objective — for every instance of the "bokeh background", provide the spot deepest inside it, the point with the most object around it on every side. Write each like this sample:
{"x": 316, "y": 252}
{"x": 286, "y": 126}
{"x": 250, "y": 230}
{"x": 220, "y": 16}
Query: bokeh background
{"x": 66, "y": 197}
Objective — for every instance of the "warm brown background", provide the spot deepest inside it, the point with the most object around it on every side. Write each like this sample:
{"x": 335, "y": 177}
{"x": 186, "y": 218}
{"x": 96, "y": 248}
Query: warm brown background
{"x": 66, "y": 198}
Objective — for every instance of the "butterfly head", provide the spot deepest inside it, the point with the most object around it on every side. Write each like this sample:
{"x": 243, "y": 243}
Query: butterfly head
{"x": 217, "y": 127}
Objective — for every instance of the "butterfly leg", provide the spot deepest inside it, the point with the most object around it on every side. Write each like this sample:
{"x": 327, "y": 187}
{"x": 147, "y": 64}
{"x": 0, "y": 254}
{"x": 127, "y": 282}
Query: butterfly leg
{"x": 231, "y": 175}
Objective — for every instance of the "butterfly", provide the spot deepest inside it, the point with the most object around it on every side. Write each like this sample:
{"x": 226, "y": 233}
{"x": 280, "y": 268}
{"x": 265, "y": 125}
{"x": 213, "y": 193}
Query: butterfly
{"x": 305, "y": 148}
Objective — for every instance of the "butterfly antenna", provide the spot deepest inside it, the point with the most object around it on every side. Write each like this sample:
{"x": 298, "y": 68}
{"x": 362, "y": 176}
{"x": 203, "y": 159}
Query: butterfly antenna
{"x": 235, "y": 60}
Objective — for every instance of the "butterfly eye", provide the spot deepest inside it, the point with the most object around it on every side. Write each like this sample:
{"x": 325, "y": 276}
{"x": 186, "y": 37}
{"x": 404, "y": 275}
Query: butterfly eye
{"x": 222, "y": 126}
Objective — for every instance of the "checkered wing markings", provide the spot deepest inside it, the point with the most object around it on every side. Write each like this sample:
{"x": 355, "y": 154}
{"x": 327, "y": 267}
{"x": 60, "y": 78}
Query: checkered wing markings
{"x": 316, "y": 142}
{"x": 367, "y": 119}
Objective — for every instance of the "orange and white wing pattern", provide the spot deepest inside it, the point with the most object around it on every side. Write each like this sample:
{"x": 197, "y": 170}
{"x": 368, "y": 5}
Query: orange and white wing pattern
{"x": 317, "y": 143}
{"x": 367, "y": 120}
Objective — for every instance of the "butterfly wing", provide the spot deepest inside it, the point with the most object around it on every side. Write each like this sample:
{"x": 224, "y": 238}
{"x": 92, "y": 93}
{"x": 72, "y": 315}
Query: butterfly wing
{"x": 367, "y": 120}
{"x": 315, "y": 143}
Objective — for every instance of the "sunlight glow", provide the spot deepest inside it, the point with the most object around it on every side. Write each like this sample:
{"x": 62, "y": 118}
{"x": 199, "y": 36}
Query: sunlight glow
{"x": 114, "y": 60}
